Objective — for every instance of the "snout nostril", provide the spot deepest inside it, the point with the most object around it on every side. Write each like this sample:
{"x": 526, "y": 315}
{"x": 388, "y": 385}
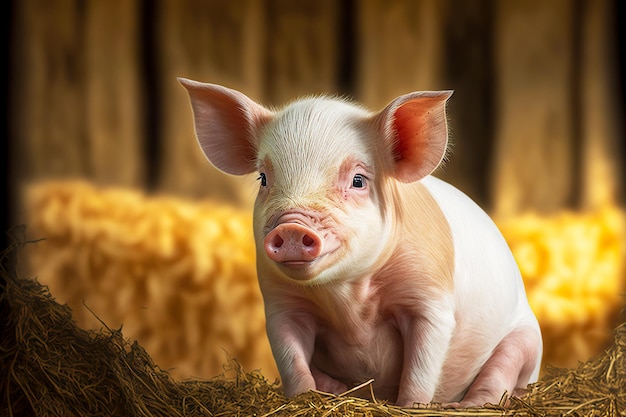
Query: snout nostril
{"x": 308, "y": 241}
{"x": 278, "y": 241}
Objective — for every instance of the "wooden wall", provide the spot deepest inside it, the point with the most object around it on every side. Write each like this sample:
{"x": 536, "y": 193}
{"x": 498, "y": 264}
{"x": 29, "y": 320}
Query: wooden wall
{"x": 536, "y": 117}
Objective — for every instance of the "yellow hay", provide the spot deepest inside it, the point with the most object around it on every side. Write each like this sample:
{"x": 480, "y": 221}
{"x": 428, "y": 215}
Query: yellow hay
{"x": 573, "y": 268}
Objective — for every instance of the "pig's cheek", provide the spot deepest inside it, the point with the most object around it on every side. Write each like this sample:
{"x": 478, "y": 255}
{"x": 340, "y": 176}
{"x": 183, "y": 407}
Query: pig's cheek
{"x": 354, "y": 197}
{"x": 366, "y": 234}
{"x": 262, "y": 194}
{"x": 259, "y": 221}
{"x": 262, "y": 208}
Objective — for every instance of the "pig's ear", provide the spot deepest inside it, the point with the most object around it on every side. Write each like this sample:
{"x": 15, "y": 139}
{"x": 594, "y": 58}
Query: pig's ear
{"x": 415, "y": 126}
{"x": 227, "y": 124}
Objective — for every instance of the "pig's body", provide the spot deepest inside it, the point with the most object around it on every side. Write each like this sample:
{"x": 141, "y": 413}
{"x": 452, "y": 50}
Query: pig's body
{"x": 356, "y": 322}
{"x": 369, "y": 267}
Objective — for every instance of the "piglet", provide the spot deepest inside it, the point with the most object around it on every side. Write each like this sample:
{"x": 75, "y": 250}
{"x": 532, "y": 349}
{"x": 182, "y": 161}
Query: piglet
{"x": 371, "y": 268}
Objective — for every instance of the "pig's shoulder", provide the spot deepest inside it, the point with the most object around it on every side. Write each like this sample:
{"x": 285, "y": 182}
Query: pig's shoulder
{"x": 452, "y": 201}
{"x": 468, "y": 222}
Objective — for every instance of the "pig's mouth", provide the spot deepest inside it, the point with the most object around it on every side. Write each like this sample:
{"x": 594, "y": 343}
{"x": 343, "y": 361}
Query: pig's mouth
{"x": 304, "y": 264}
{"x": 296, "y": 263}
{"x": 305, "y": 271}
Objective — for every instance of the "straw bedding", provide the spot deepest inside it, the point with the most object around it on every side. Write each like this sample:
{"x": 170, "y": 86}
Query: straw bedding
{"x": 51, "y": 367}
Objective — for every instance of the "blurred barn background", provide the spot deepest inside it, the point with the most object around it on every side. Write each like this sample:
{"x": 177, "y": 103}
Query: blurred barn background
{"x": 102, "y": 162}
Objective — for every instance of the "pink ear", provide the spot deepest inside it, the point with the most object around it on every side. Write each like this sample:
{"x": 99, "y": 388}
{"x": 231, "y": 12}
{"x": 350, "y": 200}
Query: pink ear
{"x": 227, "y": 123}
{"x": 415, "y": 126}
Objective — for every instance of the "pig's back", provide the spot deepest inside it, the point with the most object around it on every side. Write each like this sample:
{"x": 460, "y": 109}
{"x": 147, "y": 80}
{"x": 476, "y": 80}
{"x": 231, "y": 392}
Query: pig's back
{"x": 489, "y": 292}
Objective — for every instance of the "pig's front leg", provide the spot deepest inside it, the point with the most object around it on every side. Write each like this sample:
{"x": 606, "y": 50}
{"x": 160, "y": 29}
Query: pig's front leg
{"x": 292, "y": 338}
{"x": 426, "y": 340}
{"x": 327, "y": 383}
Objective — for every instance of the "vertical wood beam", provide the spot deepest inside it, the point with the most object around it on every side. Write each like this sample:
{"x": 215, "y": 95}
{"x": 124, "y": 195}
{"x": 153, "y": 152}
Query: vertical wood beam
{"x": 217, "y": 42}
{"x": 534, "y": 125}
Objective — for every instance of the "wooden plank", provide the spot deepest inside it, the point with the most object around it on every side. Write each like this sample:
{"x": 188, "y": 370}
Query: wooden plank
{"x": 75, "y": 101}
{"x": 602, "y": 137}
{"x": 467, "y": 69}
{"x": 400, "y": 48}
{"x": 301, "y": 49}
{"x": 48, "y": 118}
{"x": 217, "y": 42}
{"x": 533, "y": 132}
{"x": 112, "y": 93}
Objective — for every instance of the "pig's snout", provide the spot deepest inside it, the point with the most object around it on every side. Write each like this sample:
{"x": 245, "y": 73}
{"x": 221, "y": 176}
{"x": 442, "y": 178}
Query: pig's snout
{"x": 293, "y": 243}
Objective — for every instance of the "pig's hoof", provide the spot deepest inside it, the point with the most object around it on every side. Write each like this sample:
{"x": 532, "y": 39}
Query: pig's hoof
{"x": 332, "y": 385}
{"x": 327, "y": 383}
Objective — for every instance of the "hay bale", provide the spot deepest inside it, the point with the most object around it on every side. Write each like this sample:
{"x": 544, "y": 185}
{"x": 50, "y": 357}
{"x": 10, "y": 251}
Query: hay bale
{"x": 180, "y": 275}
{"x": 52, "y": 367}
{"x": 573, "y": 265}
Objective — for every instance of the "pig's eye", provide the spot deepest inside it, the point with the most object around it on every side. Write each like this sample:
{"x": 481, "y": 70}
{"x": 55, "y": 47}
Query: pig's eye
{"x": 358, "y": 181}
{"x": 263, "y": 179}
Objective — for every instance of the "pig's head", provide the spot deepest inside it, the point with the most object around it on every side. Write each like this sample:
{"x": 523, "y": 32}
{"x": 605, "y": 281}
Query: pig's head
{"x": 325, "y": 169}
